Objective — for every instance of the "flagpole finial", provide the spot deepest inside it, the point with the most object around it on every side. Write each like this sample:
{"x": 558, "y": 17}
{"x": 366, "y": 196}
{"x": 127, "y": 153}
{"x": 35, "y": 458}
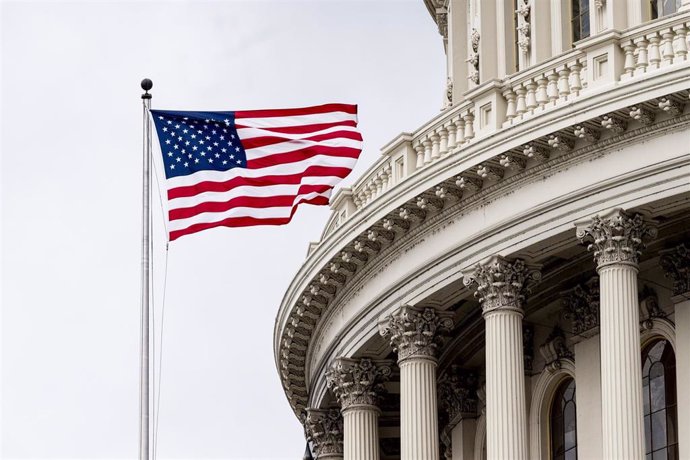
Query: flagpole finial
{"x": 146, "y": 85}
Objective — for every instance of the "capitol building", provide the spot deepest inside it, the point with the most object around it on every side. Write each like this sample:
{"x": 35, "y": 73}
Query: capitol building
{"x": 511, "y": 280}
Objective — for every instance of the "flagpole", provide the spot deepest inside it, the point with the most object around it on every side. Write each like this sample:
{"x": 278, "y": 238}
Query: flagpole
{"x": 144, "y": 386}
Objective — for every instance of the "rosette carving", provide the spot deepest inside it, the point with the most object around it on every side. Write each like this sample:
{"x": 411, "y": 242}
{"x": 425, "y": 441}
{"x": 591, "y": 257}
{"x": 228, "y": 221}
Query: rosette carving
{"x": 416, "y": 332}
{"x": 502, "y": 284}
{"x": 676, "y": 264}
{"x": 357, "y": 382}
{"x": 324, "y": 430}
{"x": 616, "y": 237}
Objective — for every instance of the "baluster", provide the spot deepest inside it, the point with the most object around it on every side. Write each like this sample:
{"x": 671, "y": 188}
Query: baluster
{"x": 552, "y": 89}
{"x": 443, "y": 145}
{"x": 521, "y": 106}
{"x": 372, "y": 190}
{"x": 459, "y": 131}
{"x": 654, "y": 54}
{"x": 509, "y": 96}
{"x": 420, "y": 155}
{"x": 378, "y": 182}
{"x": 427, "y": 150}
{"x": 531, "y": 100}
{"x": 435, "y": 143}
{"x": 667, "y": 46}
{"x": 642, "y": 57}
{"x": 681, "y": 45}
{"x": 563, "y": 84}
{"x": 575, "y": 81}
{"x": 469, "y": 126}
{"x": 542, "y": 94}
{"x": 629, "y": 63}
{"x": 388, "y": 174}
{"x": 450, "y": 128}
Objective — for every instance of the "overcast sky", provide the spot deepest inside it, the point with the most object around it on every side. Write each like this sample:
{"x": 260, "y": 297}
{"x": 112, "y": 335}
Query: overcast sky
{"x": 71, "y": 178}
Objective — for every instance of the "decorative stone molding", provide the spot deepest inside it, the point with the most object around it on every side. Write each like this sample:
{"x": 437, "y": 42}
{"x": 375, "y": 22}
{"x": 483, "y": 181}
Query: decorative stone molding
{"x": 586, "y": 133}
{"x": 469, "y": 183}
{"x": 676, "y": 265}
{"x": 555, "y": 350}
{"x": 560, "y": 143}
{"x": 527, "y": 346}
{"x": 512, "y": 162}
{"x": 416, "y": 332}
{"x": 449, "y": 93}
{"x": 613, "y": 124}
{"x": 535, "y": 152}
{"x": 670, "y": 106}
{"x": 358, "y": 382}
{"x": 581, "y": 307}
{"x": 442, "y": 21}
{"x": 324, "y": 430}
{"x": 457, "y": 394}
{"x": 487, "y": 171}
{"x": 644, "y": 116}
{"x": 501, "y": 284}
{"x": 616, "y": 237}
{"x": 473, "y": 58}
{"x": 523, "y": 28}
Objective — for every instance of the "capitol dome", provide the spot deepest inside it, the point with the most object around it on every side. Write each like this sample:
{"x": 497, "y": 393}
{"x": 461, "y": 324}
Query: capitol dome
{"x": 511, "y": 280}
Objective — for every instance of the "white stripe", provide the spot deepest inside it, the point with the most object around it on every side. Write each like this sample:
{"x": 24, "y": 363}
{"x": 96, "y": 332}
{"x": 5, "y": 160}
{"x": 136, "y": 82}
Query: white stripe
{"x": 251, "y": 191}
{"x": 291, "y": 146}
{"x": 250, "y": 133}
{"x": 296, "y": 120}
{"x": 281, "y": 169}
{"x": 212, "y": 217}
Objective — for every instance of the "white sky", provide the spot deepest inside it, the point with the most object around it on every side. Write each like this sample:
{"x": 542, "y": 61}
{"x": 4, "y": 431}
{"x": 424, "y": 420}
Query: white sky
{"x": 71, "y": 167}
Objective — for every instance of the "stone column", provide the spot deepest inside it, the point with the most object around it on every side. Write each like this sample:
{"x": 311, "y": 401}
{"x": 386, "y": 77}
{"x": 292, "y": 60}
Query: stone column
{"x": 415, "y": 334}
{"x": 676, "y": 264}
{"x": 501, "y": 286}
{"x": 616, "y": 240}
{"x": 324, "y": 430}
{"x": 358, "y": 385}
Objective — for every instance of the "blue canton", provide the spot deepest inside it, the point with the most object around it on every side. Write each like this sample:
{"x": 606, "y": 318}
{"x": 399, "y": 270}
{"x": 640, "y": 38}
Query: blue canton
{"x": 198, "y": 141}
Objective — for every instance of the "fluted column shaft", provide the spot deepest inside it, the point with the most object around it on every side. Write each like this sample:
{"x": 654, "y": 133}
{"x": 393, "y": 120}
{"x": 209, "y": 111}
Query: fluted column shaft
{"x": 501, "y": 287}
{"x": 506, "y": 413}
{"x": 418, "y": 409}
{"x": 621, "y": 372}
{"x": 361, "y": 426}
{"x": 616, "y": 239}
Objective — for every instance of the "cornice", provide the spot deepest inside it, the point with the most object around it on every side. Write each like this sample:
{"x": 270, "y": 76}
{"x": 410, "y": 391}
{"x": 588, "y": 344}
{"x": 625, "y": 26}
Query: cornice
{"x": 442, "y": 171}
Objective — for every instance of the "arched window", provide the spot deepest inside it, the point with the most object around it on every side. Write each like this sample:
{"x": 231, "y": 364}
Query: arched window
{"x": 659, "y": 399}
{"x": 563, "y": 423}
{"x": 662, "y": 8}
{"x": 579, "y": 19}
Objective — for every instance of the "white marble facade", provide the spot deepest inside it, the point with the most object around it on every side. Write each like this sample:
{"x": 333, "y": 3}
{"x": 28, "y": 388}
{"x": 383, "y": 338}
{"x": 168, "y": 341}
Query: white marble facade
{"x": 512, "y": 279}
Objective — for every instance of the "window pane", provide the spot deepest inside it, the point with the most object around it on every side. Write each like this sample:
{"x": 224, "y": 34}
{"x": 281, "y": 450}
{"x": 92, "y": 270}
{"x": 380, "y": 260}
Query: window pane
{"x": 657, "y": 387}
{"x": 671, "y": 428}
{"x": 645, "y": 395}
{"x": 658, "y": 430}
{"x": 660, "y": 455}
{"x": 647, "y": 433}
{"x": 571, "y": 454}
{"x": 569, "y": 425}
{"x": 585, "y": 25}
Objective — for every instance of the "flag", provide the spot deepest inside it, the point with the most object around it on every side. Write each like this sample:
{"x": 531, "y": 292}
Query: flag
{"x": 236, "y": 169}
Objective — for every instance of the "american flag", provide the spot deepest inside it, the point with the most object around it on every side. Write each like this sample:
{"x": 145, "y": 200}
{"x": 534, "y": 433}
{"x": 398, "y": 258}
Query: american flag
{"x": 254, "y": 167}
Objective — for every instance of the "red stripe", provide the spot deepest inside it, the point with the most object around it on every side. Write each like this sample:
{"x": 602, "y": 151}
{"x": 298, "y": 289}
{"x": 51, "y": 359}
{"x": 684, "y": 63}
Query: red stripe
{"x": 302, "y": 154}
{"x": 326, "y": 108}
{"x": 247, "y": 221}
{"x": 257, "y": 142}
{"x": 303, "y": 128}
{"x": 211, "y": 186}
{"x": 247, "y": 202}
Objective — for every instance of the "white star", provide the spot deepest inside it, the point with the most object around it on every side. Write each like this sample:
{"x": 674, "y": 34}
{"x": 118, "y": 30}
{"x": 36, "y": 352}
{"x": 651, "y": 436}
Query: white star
{"x": 208, "y": 138}
{"x": 209, "y": 148}
{"x": 203, "y": 154}
{"x": 217, "y": 155}
{"x": 160, "y": 117}
{"x": 225, "y": 162}
{"x": 175, "y": 147}
{"x": 215, "y": 144}
{"x": 194, "y": 147}
{"x": 167, "y": 141}
{"x": 178, "y": 159}
{"x": 172, "y": 166}
{"x": 193, "y": 136}
{"x": 223, "y": 150}
{"x": 199, "y": 131}
{"x": 186, "y": 164}
{"x": 237, "y": 149}
{"x": 213, "y": 132}
{"x": 170, "y": 122}
{"x": 210, "y": 160}
{"x": 179, "y": 138}
{"x": 189, "y": 156}
{"x": 185, "y": 131}
{"x": 170, "y": 154}
{"x": 177, "y": 126}
{"x": 165, "y": 128}
{"x": 222, "y": 138}
{"x": 232, "y": 136}
{"x": 227, "y": 121}
{"x": 239, "y": 162}
{"x": 232, "y": 156}
{"x": 201, "y": 141}
{"x": 196, "y": 160}
{"x": 186, "y": 142}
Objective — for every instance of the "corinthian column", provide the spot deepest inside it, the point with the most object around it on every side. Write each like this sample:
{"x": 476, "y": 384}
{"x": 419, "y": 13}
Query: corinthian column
{"x": 358, "y": 385}
{"x": 501, "y": 286}
{"x": 616, "y": 239}
{"x": 415, "y": 334}
{"x": 324, "y": 429}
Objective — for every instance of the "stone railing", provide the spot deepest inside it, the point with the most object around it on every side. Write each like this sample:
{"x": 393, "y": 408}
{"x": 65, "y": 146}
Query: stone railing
{"x": 595, "y": 65}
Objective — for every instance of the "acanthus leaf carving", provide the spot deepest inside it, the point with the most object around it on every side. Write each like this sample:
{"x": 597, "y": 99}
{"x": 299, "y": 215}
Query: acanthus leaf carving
{"x": 555, "y": 350}
{"x": 581, "y": 307}
{"x": 416, "y": 332}
{"x": 676, "y": 265}
{"x": 324, "y": 430}
{"x": 357, "y": 382}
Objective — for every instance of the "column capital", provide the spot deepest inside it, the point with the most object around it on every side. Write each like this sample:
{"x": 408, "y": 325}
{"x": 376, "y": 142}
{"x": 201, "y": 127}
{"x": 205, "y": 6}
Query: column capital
{"x": 616, "y": 237}
{"x": 324, "y": 430}
{"x": 415, "y": 332}
{"x": 502, "y": 284}
{"x": 581, "y": 307}
{"x": 676, "y": 264}
{"x": 358, "y": 382}
{"x": 457, "y": 394}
